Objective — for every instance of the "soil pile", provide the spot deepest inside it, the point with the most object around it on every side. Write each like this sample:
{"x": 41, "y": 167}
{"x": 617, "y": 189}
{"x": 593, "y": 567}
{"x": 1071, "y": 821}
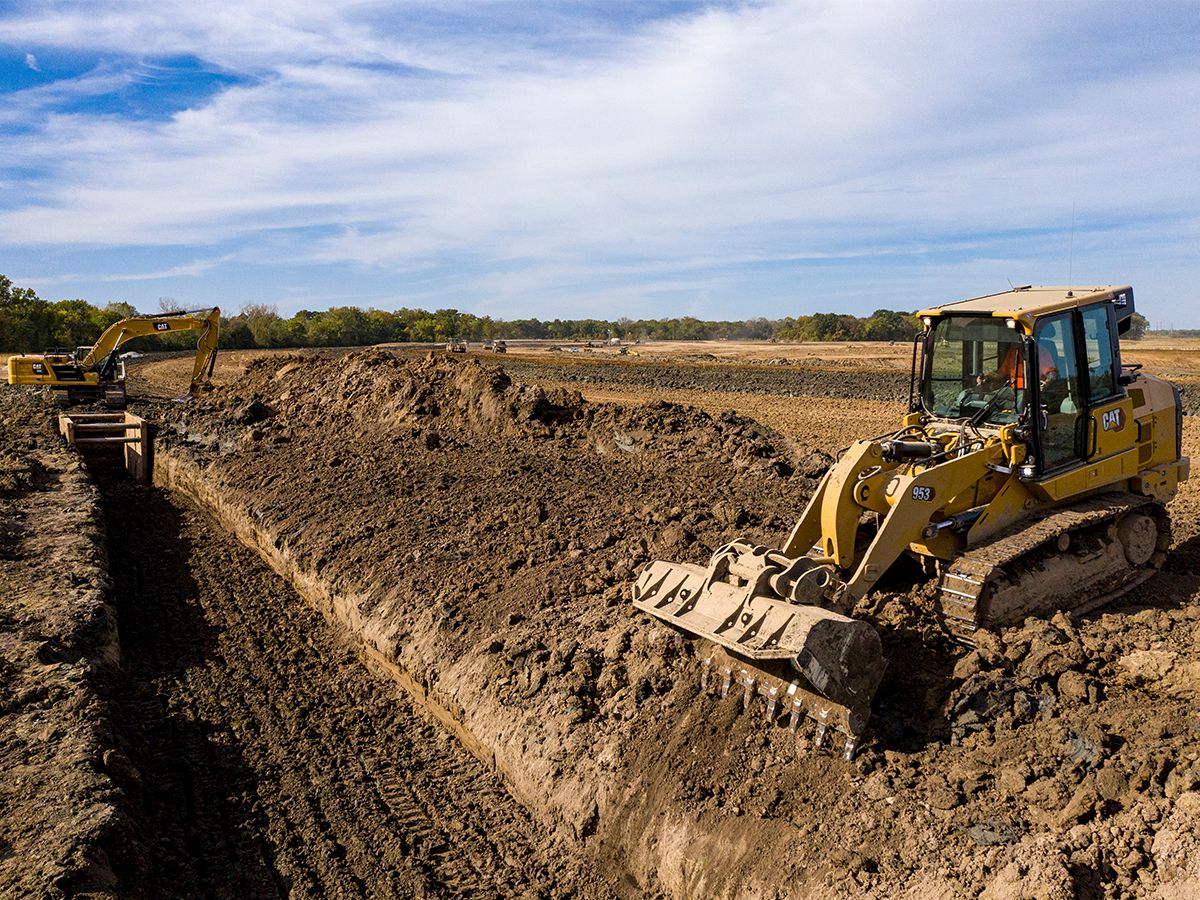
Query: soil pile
{"x": 815, "y": 378}
{"x": 480, "y": 535}
{"x": 63, "y": 828}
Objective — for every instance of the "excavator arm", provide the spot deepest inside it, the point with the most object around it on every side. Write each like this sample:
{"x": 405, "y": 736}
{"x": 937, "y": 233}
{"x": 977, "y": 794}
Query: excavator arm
{"x": 103, "y": 355}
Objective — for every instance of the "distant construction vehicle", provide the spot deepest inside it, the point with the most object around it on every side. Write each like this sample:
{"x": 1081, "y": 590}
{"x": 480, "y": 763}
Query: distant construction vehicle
{"x": 97, "y": 371}
{"x": 499, "y": 347}
{"x": 456, "y": 345}
{"x": 1031, "y": 475}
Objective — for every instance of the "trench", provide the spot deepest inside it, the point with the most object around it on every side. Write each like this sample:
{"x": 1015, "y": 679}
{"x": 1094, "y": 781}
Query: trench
{"x": 264, "y": 764}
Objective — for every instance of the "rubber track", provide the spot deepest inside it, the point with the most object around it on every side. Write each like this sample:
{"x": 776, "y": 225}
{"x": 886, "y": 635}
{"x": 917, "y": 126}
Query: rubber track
{"x": 270, "y": 763}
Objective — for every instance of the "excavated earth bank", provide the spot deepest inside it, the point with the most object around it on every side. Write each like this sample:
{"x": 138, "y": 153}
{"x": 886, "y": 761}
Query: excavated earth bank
{"x": 176, "y": 722}
{"x": 478, "y": 536}
{"x": 63, "y": 826}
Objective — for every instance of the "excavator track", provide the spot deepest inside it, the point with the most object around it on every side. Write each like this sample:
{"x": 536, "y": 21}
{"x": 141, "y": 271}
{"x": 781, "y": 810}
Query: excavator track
{"x": 1075, "y": 559}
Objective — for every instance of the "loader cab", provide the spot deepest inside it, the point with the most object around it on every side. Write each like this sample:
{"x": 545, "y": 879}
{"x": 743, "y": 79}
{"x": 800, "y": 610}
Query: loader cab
{"x": 1083, "y": 397}
{"x": 1048, "y": 364}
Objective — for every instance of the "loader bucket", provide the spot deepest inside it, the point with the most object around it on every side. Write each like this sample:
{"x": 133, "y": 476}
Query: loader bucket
{"x": 751, "y": 601}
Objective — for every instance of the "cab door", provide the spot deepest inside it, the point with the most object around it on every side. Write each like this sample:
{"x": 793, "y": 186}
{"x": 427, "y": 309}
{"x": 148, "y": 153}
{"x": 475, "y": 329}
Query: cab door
{"x": 1060, "y": 393}
{"x": 1109, "y": 406}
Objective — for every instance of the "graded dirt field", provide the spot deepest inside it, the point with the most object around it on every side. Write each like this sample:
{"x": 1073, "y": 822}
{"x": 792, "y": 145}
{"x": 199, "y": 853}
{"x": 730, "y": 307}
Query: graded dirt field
{"x": 443, "y": 689}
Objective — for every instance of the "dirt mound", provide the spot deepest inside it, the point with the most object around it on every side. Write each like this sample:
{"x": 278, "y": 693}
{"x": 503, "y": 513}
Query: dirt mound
{"x": 1189, "y": 395}
{"x": 64, "y": 826}
{"x": 480, "y": 536}
{"x": 799, "y": 379}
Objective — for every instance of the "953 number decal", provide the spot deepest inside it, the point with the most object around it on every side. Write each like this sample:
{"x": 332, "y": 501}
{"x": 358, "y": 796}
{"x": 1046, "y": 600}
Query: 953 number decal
{"x": 923, "y": 494}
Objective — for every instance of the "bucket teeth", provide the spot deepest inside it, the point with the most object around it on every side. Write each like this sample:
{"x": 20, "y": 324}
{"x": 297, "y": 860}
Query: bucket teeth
{"x": 772, "y": 695}
{"x": 796, "y": 715}
{"x": 851, "y": 746}
{"x": 790, "y": 698}
{"x": 822, "y": 727}
{"x": 747, "y": 682}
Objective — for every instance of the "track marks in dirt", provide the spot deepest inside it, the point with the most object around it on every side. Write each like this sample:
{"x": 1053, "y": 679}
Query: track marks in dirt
{"x": 267, "y": 761}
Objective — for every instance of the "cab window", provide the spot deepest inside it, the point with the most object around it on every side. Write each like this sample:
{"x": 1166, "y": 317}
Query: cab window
{"x": 1059, "y": 390}
{"x": 975, "y": 370}
{"x": 1098, "y": 347}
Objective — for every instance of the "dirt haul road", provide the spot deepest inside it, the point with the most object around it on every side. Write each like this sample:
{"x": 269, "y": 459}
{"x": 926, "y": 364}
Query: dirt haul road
{"x": 1057, "y": 760}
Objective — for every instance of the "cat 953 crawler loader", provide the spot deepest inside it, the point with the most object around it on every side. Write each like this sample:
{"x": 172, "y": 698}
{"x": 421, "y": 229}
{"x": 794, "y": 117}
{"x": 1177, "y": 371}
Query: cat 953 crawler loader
{"x": 1030, "y": 475}
{"x": 97, "y": 371}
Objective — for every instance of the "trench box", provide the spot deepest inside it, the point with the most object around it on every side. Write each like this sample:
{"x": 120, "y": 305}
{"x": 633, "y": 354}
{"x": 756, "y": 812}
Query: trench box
{"x": 110, "y": 439}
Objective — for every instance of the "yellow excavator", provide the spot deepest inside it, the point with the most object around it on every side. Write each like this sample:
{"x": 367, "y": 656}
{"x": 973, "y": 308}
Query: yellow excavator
{"x": 90, "y": 372}
{"x": 1030, "y": 475}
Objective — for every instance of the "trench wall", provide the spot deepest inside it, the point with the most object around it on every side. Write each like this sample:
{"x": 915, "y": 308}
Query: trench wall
{"x": 626, "y": 822}
{"x": 65, "y": 825}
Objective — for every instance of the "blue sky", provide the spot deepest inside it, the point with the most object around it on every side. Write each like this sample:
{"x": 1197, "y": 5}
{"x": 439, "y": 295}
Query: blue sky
{"x": 606, "y": 159}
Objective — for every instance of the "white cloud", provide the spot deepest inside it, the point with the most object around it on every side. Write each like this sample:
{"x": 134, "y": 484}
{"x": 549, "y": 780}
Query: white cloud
{"x": 31, "y": 62}
{"x": 768, "y": 132}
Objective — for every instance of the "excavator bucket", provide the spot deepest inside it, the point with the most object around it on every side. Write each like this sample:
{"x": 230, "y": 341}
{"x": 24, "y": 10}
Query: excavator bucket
{"x": 773, "y": 638}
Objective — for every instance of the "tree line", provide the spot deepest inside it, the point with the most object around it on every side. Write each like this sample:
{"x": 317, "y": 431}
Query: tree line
{"x": 31, "y": 324}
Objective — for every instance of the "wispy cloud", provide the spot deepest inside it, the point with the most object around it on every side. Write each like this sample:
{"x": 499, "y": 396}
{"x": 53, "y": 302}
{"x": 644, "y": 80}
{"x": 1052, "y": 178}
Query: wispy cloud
{"x": 31, "y": 62}
{"x": 185, "y": 270}
{"x": 575, "y": 155}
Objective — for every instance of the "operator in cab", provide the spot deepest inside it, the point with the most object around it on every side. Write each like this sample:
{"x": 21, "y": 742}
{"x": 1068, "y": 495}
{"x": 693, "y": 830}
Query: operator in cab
{"x": 1012, "y": 372}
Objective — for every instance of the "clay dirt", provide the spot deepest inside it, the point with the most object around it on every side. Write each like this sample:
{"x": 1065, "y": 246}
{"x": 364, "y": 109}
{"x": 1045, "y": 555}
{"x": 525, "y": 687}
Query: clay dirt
{"x": 369, "y": 633}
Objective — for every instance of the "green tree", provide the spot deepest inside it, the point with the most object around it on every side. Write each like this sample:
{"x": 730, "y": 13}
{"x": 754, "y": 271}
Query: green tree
{"x": 264, "y": 323}
{"x": 27, "y": 322}
{"x": 1138, "y": 326}
{"x": 889, "y": 325}
{"x": 74, "y": 323}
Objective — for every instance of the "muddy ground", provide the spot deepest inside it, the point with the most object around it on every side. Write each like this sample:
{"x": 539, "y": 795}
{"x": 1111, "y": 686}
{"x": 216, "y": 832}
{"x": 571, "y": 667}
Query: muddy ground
{"x": 510, "y": 522}
{"x": 176, "y": 722}
{"x": 475, "y": 538}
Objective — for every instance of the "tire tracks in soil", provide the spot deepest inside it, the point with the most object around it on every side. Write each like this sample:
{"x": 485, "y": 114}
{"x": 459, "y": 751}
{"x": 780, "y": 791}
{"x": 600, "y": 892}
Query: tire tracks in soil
{"x": 267, "y": 761}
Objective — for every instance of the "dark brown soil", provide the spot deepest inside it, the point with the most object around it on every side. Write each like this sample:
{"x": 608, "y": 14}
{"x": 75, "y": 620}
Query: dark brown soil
{"x": 484, "y": 535}
{"x": 63, "y": 822}
{"x": 478, "y": 536}
{"x": 264, "y": 761}
{"x": 781, "y": 380}
{"x": 222, "y": 740}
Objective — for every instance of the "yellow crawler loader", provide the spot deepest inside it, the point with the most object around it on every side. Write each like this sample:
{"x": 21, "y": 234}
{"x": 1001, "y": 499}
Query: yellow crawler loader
{"x": 89, "y": 372}
{"x": 1030, "y": 475}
